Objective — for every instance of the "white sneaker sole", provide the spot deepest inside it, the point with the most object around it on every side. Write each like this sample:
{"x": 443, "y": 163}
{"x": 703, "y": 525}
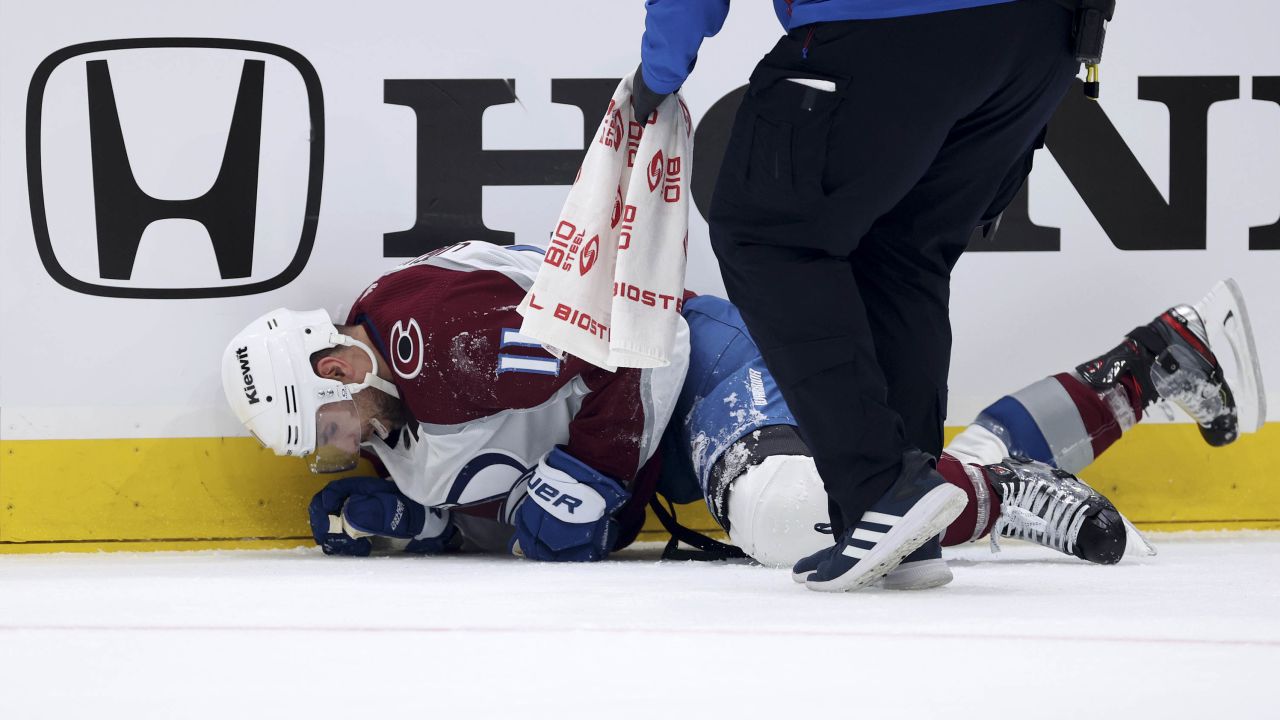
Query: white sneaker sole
{"x": 926, "y": 519}
{"x": 918, "y": 575}
{"x": 1226, "y": 320}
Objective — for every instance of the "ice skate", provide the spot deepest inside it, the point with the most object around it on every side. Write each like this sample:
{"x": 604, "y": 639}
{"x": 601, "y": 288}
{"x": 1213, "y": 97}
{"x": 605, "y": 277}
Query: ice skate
{"x": 1054, "y": 508}
{"x": 1225, "y": 323}
{"x": 1175, "y": 358}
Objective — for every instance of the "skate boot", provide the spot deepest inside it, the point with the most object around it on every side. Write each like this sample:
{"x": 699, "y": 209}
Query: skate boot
{"x": 924, "y": 568}
{"x": 1053, "y": 508}
{"x": 1173, "y": 358}
{"x": 914, "y": 510}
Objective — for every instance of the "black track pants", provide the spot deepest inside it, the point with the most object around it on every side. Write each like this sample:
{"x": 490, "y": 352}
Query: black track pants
{"x": 838, "y": 216}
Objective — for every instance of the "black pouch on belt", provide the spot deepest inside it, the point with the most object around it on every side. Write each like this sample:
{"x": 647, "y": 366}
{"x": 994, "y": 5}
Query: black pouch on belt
{"x": 1089, "y": 33}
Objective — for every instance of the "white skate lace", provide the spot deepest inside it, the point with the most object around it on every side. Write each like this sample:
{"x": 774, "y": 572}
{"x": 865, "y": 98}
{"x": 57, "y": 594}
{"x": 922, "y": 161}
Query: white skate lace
{"x": 1039, "y": 510}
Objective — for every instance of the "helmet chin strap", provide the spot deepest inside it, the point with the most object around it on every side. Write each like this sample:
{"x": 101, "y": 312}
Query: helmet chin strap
{"x": 379, "y": 429}
{"x": 371, "y": 378}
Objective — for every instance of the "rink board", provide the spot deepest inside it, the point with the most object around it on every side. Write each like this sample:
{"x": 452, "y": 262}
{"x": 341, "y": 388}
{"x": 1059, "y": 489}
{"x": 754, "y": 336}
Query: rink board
{"x": 386, "y": 133}
{"x": 199, "y": 493}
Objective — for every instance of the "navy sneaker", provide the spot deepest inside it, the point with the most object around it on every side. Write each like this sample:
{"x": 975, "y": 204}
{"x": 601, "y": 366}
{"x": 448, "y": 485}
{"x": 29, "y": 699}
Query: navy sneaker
{"x": 805, "y": 566}
{"x": 914, "y": 511}
{"x": 924, "y": 568}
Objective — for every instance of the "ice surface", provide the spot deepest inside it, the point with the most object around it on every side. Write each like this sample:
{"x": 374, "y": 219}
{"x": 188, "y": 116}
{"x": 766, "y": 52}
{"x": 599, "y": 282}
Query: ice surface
{"x": 1192, "y": 633}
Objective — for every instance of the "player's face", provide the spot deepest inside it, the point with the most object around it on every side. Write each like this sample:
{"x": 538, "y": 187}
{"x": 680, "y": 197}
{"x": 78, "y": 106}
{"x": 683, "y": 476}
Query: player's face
{"x": 389, "y": 411}
{"x": 338, "y": 435}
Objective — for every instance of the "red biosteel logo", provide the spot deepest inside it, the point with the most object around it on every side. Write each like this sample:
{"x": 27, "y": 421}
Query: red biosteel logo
{"x": 667, "y": 173}
{"x": 617, "y": 208}
{"x": 566, "y": 243}
{"x": 611, "y": 128}
{"x": 671, "y": 186}
{"x": 656, "y": 168}
{"x": 628, "y": 226}
{"x": 590, "y": 254}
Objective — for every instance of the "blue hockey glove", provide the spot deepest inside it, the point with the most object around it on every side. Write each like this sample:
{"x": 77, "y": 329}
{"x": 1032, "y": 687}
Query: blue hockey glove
{"x": 566, "y": 515}
{"x": 347, "y": 512}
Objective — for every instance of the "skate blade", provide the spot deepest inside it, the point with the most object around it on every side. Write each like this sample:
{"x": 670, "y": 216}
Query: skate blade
{"x": 925, "y": 521}
{"x": 1136, "y": 540}
{"x": 1226, "y": 320}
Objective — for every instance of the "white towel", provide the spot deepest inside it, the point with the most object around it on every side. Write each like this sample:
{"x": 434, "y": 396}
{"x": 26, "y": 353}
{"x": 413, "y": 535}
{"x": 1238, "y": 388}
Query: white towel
{"x": 611, "y": 286}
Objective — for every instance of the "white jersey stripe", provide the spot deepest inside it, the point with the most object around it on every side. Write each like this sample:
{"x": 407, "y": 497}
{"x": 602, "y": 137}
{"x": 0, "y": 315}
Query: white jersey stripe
{"x": 512, "y": 337}
{"x": 520, "y": 363}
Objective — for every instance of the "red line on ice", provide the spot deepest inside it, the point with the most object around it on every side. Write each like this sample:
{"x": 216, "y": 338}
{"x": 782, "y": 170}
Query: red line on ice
{"x": 753, "y": 632}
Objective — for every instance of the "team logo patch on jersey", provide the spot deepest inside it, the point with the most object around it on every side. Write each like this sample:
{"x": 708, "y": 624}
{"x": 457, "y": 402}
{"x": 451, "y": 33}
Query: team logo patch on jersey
{"x": 590, "y": 253}
{"x": 406, "y": 349}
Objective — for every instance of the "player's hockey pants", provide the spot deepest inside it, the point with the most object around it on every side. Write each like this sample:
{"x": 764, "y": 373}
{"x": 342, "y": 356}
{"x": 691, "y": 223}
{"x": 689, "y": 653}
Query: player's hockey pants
{"x": 863, "y": 156}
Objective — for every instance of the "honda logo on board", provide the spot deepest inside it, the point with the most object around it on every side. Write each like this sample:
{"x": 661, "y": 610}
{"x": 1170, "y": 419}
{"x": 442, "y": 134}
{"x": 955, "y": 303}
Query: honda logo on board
{"x": 175, "y": 167}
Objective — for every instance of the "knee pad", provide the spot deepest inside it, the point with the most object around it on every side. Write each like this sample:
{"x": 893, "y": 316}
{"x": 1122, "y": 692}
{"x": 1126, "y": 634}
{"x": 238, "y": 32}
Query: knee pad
{"x": 773, "y": 507}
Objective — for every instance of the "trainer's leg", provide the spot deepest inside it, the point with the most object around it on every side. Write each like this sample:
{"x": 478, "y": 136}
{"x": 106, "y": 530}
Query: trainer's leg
{"x": 907, "y": 291}
{"x": 922, "y": 150}
{"x": 794, "y": 197}
{"x": 813, "y": 334}
{"x": 903, "y": 264}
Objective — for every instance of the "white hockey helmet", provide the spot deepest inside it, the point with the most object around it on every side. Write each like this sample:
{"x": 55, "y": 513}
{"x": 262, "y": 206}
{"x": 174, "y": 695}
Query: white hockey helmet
{"x": 272, "y": 389}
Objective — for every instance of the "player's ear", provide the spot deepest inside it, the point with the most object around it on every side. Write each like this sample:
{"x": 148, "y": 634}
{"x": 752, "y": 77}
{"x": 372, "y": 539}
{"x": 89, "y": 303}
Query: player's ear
{"x": 333, "y": 368}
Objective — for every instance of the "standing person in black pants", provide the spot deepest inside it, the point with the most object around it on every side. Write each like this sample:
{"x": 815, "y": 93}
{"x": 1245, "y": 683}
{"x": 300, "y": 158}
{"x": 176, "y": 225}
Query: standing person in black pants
{"x": 874, "y": 137}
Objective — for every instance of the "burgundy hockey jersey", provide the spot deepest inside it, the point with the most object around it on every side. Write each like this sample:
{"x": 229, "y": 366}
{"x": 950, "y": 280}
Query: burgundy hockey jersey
{"x": 489, "y": 402}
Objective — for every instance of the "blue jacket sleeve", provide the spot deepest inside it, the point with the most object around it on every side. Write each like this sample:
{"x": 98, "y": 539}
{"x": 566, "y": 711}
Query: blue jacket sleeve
{"x": 673, "y": 32}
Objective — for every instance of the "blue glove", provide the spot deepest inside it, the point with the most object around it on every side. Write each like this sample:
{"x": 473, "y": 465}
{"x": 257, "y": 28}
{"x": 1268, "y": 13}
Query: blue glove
{"x": 566, "y": 515}
{"x": 644, "y": 100}
{"x": 347, "y": 512}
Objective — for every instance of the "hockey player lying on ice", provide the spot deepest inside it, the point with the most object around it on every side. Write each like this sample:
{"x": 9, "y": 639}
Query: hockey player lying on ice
{"x": 492, "y": 443}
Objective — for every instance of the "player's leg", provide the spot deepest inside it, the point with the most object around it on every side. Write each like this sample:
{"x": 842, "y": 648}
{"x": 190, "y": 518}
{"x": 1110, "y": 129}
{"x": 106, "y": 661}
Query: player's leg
{"x": 763, "y": 488}
{"x": 736, "y": 436}
{"x": 1033, "y": 501}
{"x": 772, "y": 505}
{"x": 731, "y": 418}
{"x": 1071, "y": 418}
